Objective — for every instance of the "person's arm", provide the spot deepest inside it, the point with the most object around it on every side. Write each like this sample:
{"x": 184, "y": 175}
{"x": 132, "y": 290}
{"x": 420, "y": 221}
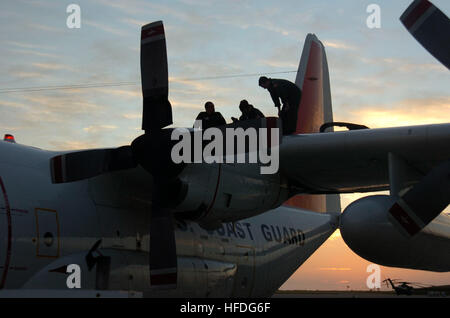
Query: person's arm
{"x": 221, "y": 120}
{"x": 259, "y": 113}
{"x": 275, "y": 98}
{"x": 285, "y": 90}
{"x": 199, "y": 117}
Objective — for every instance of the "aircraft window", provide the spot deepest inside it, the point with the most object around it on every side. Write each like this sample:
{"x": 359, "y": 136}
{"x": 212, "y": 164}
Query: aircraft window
{"x": 200, "y": 248}
{"x": 244, "y": 282}
{"x": 227, "y": 199}
{"x": 48, "y": 239}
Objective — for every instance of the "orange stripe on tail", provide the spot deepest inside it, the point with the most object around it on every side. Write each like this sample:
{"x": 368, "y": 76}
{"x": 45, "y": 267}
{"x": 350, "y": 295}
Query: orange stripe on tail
{"x": 314, "y": 110}
{"x": 310, "y": 112}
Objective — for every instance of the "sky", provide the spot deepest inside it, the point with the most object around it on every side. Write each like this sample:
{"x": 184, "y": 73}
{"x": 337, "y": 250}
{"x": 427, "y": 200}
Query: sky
{"x": 379, "y": 77}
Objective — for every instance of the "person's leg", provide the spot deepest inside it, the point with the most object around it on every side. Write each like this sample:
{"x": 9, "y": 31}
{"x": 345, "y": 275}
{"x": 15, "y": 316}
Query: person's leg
{"x": 286, "y": 122}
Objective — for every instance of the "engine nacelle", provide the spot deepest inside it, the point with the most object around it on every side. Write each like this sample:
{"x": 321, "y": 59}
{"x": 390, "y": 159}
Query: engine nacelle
{"x": 366, "y": 229}
{"x": 216, "y": 193}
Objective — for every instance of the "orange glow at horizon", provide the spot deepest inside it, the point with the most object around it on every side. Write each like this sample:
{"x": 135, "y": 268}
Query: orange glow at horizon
{"x": 334, "y": 266}
{"x": 347, "y": 271}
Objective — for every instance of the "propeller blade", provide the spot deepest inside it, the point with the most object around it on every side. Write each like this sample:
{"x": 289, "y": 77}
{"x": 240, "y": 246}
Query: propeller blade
{"x": 423, "y": 202}
{"x": 80, "y": 165}
{"x": 163, "y": 255}
{"x": 431, "y": 27}
{"x": 157, "y": 111}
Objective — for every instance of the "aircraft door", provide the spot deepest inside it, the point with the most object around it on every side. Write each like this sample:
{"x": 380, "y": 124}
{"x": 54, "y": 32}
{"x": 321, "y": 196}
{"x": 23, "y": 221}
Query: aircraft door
{"x": 47, "y": 225}
{"x": 5, "y": 234}
{"x": 245, "y": 274}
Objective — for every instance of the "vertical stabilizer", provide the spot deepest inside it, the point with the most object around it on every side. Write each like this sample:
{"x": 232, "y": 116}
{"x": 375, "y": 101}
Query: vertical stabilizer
{"x": 315, "y": 109}
{"x": 314, "y": 81}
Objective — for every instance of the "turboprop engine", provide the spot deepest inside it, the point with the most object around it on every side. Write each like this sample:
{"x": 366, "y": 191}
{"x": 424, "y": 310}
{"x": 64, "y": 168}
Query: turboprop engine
{"x": 367, "y": 230}
{"x": 216, "y": 193}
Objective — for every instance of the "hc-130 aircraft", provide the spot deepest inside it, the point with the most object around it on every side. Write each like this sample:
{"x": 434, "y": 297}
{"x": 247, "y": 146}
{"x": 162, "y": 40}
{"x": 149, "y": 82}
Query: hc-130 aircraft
{"x": 133, "y": 221}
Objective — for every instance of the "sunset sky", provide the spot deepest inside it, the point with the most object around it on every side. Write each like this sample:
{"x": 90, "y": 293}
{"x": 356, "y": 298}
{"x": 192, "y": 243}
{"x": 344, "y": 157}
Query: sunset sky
{"x": 379, "y": 78}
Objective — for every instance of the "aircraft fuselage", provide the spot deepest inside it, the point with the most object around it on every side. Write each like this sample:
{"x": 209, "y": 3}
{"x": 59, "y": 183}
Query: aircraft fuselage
{"x": 45, "y": 227}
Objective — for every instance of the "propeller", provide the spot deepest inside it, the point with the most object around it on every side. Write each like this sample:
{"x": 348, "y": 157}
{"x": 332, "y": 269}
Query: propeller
{"x": 423, "y": 202}
{"x": 430, "y": 27}
{"x": 150, "y": 150}
{"x": 428, "y": 198}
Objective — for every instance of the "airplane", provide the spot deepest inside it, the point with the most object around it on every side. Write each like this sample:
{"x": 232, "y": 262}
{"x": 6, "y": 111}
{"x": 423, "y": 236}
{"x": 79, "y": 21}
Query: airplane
{"x": 137, "y": 224}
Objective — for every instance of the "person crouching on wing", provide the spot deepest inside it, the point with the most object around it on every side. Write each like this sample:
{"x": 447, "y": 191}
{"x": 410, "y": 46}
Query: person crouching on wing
{"x": 248, "y": 111}
{"x": 210, "y": 118}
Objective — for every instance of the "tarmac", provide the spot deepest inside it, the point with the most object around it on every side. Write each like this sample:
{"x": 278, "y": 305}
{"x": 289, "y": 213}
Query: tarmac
{"x": 351, "y": 294}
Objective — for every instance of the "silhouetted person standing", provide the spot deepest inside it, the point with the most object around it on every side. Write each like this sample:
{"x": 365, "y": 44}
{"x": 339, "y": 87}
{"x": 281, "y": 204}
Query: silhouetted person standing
{"x": 210, "y": 118}
{"x": 290, "y": 96}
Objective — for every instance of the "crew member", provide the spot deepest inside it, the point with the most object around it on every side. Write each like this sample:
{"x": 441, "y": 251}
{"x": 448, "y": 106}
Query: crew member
{"x": 210, "y": 118}
{"x": 248, "y": 111}
{"x": 290, "y": 96}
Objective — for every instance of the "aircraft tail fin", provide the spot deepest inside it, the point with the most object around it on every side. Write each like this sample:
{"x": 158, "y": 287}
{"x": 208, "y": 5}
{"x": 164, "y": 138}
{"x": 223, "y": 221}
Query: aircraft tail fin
{"x": 314, "y": 81}
{"x": 315, "y": 109}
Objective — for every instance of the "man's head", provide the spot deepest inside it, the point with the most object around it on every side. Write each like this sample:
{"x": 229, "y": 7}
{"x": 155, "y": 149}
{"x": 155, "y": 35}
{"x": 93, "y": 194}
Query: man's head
{"x": 264, "y": 82}
{"x": 209, "y": 107}
{"x": 244, "y": 106}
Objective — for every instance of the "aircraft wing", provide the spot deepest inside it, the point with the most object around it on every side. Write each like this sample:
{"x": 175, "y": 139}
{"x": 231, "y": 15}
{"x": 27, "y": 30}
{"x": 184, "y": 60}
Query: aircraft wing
{"x": 358, "y": 160}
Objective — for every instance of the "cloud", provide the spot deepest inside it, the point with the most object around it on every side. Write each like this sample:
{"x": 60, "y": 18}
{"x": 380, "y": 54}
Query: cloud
{"x": 196, "y": 86}
{"x": 97, "y": 128}
{"x": 335, "y": 44}
{"x": 30, "y": 46}
{"x": 38, "y": 70}
{"x": 123, "y": 93}
{"x": 406, "y": 112}
{"x": 132, "y": 115}
{"x": 27, "y": 74}
{"x": 38, "y": 3}
{"x": 395, "y": 65}
{"x": 34, "y": 52}
{"x": 12, "y": 104}
{"x": 180, "y": 104}
{"x": 134, "y": 7}
{"x": 46, "y": 27}
{"x": 134, "y": 22}
{"x": 273, "y": 28}
{"x": 62, "y": 103}
{"x": 105, "y": 28}
{"x": 278, "y": 63}
{"x": 73, "y": 144}
{"x": 197, "y": 3}
{"x": 48, "y": 66}
{"x": 335, "y": 269}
